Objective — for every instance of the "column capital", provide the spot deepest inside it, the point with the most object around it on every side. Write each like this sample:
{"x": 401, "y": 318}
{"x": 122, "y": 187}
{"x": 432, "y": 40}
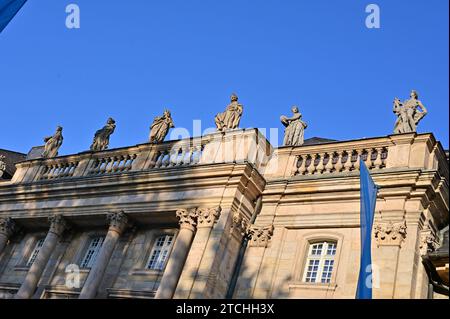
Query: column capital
{"x": 57, "y": 224}
{"x": 259, "y": 235}
{"x": 118, "y": 221}
{"x": 239, "y": 224}
{"x": 390, "y": 234}
{"x": 206, "y": 217}
{"x": 7, "y": 226}
{"x": 187, "y": 218}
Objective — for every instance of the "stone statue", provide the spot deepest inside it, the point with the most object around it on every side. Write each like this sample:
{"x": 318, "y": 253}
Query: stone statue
{"x": 294, "y": 133}
{"x": 230, "y": 119}
{"x": 53, "y": 143}
{"x": 160, "y": 127}
{"x": 408, "y": 114}
{"x": 101, "y": 138}
{"x": 2, "y": 165}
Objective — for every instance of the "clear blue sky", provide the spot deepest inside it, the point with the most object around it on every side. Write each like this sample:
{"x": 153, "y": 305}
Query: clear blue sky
{"x": 131, "y": 59}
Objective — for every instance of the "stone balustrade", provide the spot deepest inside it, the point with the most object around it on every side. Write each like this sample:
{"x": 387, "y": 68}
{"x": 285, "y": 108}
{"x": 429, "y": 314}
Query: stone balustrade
{"x": 340, "y": 160}
{"x": 399, "y": 151}
{"x": 236, "y": 146}
{"x": 112, "y": 164}
{"x": 58, "y": 170}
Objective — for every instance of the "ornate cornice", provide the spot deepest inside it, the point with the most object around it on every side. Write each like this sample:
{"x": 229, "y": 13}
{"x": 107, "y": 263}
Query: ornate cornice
{"x": 7, "y": 226}
{"x": 259, "y": 236}
{"x": 206, "y": 217}
{"x": 390, "y": 234}
{"x": 57, "y": 224}
{"x": 187, "y": 218}
{"x": 117, "y": 221}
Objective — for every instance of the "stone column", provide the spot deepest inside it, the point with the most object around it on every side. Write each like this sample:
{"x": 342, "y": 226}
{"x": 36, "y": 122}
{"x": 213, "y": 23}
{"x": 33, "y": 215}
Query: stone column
{"x": 389, "y": 236}
{"x": 169, "y": 281}
{"x": 206, "y": 218}
{"x": 57, "y": 227}
{"x": 117, "y": 224}
{"x": 7, "y": 227}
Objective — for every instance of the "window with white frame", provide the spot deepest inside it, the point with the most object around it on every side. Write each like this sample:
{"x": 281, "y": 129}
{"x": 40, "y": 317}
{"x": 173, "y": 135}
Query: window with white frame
{"x": 35, "y": 251}
{"x": 320, "y": 262}
{"x": 92, "y": 252}
{"x": 160, "y": 252}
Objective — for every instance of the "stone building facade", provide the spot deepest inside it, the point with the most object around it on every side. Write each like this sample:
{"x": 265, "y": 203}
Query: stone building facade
{"x": 222, "y": 215}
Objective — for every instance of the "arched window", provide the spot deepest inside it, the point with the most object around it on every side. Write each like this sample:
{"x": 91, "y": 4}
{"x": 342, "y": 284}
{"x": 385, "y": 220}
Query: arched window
{"x": 320, "y": 262}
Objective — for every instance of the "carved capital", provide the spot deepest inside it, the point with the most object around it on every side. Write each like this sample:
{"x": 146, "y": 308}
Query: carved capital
{"x": 117, "y": 221}
{"x": 57, "y": 224}
{"x": 206, "y": 217}
{"x": 187, "y": 218}
{"x": 390, "y": 234}
{"x": 259, "y": 236}
{"x": 7, "y": 226}
{"x": 239, "y": 224}
{"x": 428, "y": 241}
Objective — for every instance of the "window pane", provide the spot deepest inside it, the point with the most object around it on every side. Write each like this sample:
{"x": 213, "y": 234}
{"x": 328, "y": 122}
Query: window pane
{"x": 160, "y": 252}
{"x": 91, "y": 254}
{"x": 35, "y": 252}
{"x": 320, "y": 262}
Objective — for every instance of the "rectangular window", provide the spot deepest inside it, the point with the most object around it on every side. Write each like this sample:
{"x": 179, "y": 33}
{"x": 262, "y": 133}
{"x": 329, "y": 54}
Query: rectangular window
{"x": 160, "y": 252}
{"x": 35, "y": 252}
{"x": 320, "y": 262}
{"x": 92, "y": 252}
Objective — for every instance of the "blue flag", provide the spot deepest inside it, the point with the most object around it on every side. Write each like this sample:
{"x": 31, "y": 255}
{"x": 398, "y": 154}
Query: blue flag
{"x": 8, "y": 9}
{"x": 368, "y": 201}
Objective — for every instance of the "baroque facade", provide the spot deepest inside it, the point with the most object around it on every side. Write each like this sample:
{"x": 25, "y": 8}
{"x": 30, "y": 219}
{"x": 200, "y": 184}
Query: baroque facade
{"x": 222, "y": 215}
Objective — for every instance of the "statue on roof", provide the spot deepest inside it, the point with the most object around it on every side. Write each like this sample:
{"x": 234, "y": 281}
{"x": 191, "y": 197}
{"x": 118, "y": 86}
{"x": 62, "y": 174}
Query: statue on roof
{"x": 160, "y": 127}
{"x": 53, "y": 143}
{"x": 230, "y": 119}
{"x": 101, "y": 138}
{"x": 294, "y": 133}
{"x": 409, "y": 113}
{"x": 2, "y": 165}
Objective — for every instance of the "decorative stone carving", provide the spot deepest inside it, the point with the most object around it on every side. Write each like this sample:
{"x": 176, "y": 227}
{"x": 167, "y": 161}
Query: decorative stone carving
{"x": 7, "y": 226}
{"x": 428, "y": 243}
{"x": 259, "y": 236}
{"x": 206, "y": 217}
{"x": 390, "y": 233}
{"x": 57, "y": 224}
{"x": 101, "y": 138}
{"x": 187, "y": 217}
{"x": 117, "y": 221}
{"x": 294, "y": 133}
{"x": 53, "y": 143}
{"x": 408, "y": 115}
{"x": 160, "y": 127}
{"x": 2, "y": 165}
{"x": 239, "y": 224}
{"x": 230, "y": 119}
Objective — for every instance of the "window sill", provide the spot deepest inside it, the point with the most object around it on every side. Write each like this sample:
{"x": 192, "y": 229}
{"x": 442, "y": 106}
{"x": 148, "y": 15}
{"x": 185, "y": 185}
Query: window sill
{"x": 21, "y": 268}
{"x": 145, "y": 272}
{"x": 315, "y": 286}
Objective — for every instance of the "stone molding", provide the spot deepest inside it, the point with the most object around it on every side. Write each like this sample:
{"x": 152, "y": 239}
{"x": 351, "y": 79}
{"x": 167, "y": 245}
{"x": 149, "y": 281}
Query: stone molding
{"x": 57, "y": 224}
{"x": 187, "y": 218}
{"x": 259, "y": 236}
{"x": 428, "y": 240}
{"x": 117, "y": 221}
{"x": 206, "y": 217}
{"x": 7, "y": 226}
{"x": 239, "y": 224}
{"x": 390, "y": 234}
